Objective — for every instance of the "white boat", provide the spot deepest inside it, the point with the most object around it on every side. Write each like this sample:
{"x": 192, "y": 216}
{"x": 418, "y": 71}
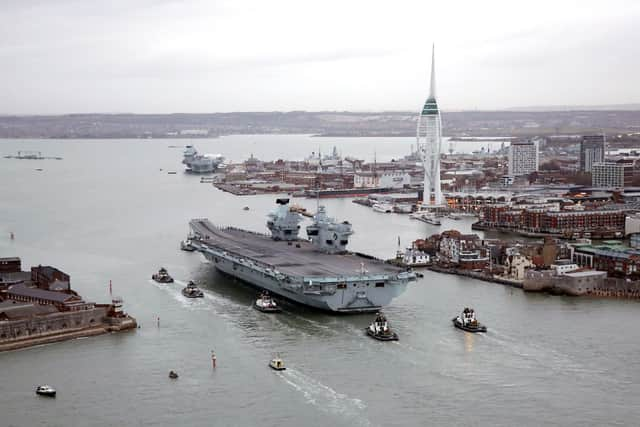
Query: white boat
{"x": 277, "y": 364}
{"x": 467, "y": 321}
{"x": 192, "y": 291}
{"x": 380, "y": 329}
{"x": 46, "y": 390}
{"x": 404, "y": 208}
{"x": 429, "y": 218}
{"x": 383, "y": 207}
{"x": 266, "y": 304}
{"x": 454, "y": 215}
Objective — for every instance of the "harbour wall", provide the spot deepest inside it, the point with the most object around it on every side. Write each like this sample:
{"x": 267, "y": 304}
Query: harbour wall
{"x": 62, "y": 326}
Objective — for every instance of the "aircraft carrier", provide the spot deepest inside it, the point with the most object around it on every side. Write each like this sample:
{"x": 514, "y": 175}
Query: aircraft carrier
{"x": 318, "y": 272}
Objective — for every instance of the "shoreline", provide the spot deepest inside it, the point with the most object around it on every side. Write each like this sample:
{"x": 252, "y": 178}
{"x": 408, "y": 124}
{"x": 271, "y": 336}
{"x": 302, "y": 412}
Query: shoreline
{"x": 605, "y": 293}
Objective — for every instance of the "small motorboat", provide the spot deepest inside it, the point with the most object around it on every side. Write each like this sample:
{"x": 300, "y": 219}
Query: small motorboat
{"x": 162, "y": 276}
{"x": 46, "y": 390}
{"x": 380, "y": 329}
{"x": 186, "y": 245}
{"x": 430, "y": 218}
{"x": 173, "y": 375}
{"x": 266, "y": 304}
{"x": 467, "y": 321}
{"x": 246, "y": 208}
{"x": 383, "y": 207}
{"x": 277, "y": 364}
{"x": 192, "y": 291}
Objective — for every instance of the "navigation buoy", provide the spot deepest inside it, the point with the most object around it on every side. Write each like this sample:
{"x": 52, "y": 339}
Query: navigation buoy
{"x": 213, "y": 359}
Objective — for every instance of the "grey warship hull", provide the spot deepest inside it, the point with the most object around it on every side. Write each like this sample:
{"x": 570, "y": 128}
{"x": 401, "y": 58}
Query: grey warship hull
{"x": 346, "y": 283}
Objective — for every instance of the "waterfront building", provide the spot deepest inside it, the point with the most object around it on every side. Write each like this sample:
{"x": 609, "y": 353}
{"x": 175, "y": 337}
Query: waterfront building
{"x": 453, "y": 244}
{"x": 611, "y": 175}
{"x": 562, "y": 267}
{"x": 523, "y": 157}
{"x": 614, "y": 258}
{"x": 476, "y": 259}
{"x": 592, "y": 150}
{"x": 383, "y": 179}
{"x": 429, "y": 141}
{"x": 50, "y": 278}
{"x": 10, "y": 265}
{"x": 551, "y": 221}
{"x": 516, "y": 264}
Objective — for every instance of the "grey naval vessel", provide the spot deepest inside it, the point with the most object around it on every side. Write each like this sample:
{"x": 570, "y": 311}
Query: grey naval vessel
{"x": 318, "y": 272}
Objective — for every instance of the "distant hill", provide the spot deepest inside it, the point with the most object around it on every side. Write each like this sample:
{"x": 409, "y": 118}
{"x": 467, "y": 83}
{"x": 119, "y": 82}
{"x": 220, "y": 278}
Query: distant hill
{"x": 513, "y": 122}
{"x": 615, "y": 107}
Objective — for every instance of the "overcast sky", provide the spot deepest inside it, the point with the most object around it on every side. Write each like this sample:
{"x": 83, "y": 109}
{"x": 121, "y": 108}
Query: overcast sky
{"x": 161, "y": 56}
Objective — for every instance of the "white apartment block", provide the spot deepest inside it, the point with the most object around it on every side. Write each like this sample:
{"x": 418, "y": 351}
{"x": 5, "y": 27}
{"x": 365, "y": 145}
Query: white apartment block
{"x": 523, "y": 158}
{"x": 609, "y": 175}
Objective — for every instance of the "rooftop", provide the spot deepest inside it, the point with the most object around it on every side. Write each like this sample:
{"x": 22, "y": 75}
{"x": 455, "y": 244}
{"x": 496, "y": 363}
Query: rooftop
{"x": 586, "y": 273}
{"x": 58, "y": 297}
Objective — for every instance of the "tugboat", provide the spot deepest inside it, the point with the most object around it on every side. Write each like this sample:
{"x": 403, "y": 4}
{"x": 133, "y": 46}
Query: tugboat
{"x": 277, "y": 364}
{"x": 173, "y": 375}
{"x": 162, "y": 276}
{"x": 46, "y": 390}
{"x": 192, "y": 291}
{"x": 186, "y": 245}
{"x": 467, "y": 321}
{"x": 380, "y": 330}
{"x": 266, "y": 304}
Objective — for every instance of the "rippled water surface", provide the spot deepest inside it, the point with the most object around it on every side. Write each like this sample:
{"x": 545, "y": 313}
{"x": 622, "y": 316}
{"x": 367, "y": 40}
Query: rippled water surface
{"x": 107, "y": 212}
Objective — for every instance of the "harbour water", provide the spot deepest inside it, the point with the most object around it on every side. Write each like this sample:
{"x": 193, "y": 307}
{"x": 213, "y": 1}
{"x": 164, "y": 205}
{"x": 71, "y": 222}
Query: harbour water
{"x": 107, "y": 212}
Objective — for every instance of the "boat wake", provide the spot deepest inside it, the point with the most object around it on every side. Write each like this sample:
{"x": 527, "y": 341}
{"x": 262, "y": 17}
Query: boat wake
{"x": 543, "y": 356}
{"x": 175, "y": 291}
{"x": 325, "y": 398}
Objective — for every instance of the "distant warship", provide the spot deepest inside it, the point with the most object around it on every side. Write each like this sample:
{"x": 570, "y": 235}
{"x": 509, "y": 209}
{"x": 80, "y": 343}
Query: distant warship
{"x": 200, "y": 163}
{"x": 318, "y": 272}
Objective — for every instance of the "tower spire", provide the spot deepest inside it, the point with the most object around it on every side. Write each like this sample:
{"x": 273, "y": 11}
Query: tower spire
{"x": 432, "y": 89}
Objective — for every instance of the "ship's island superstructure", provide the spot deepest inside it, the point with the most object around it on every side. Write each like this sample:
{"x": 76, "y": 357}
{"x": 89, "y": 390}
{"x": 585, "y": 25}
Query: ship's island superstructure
{"x": 319, "y": 272}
